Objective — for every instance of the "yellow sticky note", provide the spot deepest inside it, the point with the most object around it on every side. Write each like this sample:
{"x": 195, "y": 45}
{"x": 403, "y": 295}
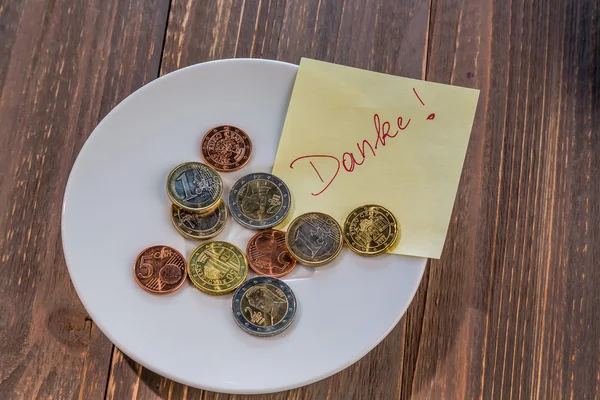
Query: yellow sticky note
{"x": 353, "y": 137}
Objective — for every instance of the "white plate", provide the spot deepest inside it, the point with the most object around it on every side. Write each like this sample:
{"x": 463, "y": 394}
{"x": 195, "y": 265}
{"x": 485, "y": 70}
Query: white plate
{"x": 115, "y": 205}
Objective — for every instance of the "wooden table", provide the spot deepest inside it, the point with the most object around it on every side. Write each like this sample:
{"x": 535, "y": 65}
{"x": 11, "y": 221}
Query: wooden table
{"x": 512, "y": 310}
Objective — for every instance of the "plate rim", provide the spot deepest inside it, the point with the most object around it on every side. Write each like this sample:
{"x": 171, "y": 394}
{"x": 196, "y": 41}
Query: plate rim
{"x": 157, "y": 369}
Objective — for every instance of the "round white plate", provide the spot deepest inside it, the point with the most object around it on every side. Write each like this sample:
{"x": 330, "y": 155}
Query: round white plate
{"x": 115, "y": 205}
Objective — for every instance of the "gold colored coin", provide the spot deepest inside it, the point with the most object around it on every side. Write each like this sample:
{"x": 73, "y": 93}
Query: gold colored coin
{"x": 370, "y": 230}
{"x": 199, "y": 226}
{"x": 314, "y": 238}
{"x": 217, "y": 268}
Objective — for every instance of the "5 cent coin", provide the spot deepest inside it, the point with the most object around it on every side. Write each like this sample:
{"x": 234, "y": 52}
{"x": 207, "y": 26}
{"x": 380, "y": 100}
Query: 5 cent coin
{"x": 226, "y": 148}
{"x": 314, "y": 239}
{"x": 268, "y": 254}
{"x": 160, "y": 269}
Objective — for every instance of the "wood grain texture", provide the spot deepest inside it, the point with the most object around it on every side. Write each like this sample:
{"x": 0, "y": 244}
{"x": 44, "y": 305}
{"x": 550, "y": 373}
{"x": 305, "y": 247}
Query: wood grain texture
{"x": 386, "y": 36}
{"x": 512, "y": 307}
{"x": 63, "y": 65}
{"x": 510, "y": 310}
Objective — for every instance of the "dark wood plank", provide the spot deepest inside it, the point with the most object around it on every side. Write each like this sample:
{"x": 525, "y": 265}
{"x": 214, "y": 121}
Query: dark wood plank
{"x": 383, "y": 35}
{"x": 63, "y": 65}
{"x": 512, "y": 307}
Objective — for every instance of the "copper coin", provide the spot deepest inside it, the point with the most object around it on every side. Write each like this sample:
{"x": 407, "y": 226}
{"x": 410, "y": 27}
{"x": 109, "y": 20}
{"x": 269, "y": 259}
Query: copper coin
{"x": 268, "y": 254}
{"x": 160, "y": 269}
{"x": 226, "y": 148}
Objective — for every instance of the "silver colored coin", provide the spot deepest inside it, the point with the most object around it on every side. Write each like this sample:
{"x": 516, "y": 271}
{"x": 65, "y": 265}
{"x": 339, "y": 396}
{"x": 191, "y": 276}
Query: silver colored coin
{"x": 199, "y": 226}
{"x": 195, "y": 187}
{"x": 264, "y": 306}
{"x": 314, "y": 239}
{"x": 259, "y": 201}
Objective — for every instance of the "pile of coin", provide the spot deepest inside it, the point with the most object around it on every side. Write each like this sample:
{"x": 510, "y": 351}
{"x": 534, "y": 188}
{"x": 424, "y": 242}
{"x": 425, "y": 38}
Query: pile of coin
{"x": 197, "y": 212}
{"x": 263, "y": 305}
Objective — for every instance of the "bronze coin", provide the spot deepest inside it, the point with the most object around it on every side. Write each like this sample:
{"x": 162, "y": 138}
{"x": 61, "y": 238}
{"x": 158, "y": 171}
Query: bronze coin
{"x": 160, "y": 269}
{"x": 268, "y": 254}
{"x": 226, "y": 148}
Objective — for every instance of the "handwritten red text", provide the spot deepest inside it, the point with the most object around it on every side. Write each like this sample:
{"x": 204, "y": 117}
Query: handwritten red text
{"x": 349, "y": 160}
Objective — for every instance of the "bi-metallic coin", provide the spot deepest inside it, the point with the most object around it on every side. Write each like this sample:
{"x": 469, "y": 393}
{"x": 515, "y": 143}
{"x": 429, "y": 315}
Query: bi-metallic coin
{"x": 370, "y": 230}
{"x": 198, "y": 226}
{"x": 217, "y": 267}
{"x": 226, "y": 148}
{"x": 259, "y": 201}
{"x": 160, "y": 269}
{"x": 195, "y": 187}
{"x": 314, "y": 239}
{"x": 264, "y": 306}
{"x": 269, "y": 255}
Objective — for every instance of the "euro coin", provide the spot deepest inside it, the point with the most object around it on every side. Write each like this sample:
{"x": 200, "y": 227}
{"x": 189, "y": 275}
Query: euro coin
{"x": 264, "y": 306}
{"x": 314, "y": 239}
{"x": 268, "y": 254}
{"x": 159, "y": 269}
{"x": 195, "y": 187}
{"x": 226, "y": 148}
{"x": 370, "y": 230}
{"x": 198, "y": 226}
{"x": 259, "y": 201}
{"x": 217, "y": 267}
